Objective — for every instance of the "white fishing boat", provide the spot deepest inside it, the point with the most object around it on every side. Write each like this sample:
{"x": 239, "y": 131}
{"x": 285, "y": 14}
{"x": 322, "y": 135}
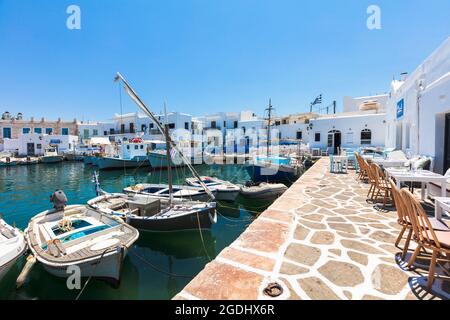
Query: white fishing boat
{"x": 78, "y": 235}
{"x": 28, "y": 160}
{"x": 225, "y": 190}
{"x": 131, "y": 154}
{"x": 163, "y": 191}
{"x": 157, "y": 214}
{"x": 164, "y": 207}
{"x": 51, "y": 156}
{"x": 263, "y": 191}
{"x": 12, "y": 246}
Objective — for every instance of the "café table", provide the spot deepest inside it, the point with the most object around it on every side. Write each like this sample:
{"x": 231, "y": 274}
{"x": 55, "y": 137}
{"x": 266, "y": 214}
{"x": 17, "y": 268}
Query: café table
{"x": 423, "y": 176}
{"x": 441, "y": 204}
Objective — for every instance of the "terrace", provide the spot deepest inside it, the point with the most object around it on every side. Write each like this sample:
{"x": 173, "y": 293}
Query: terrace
{"x": 321, "y": 240}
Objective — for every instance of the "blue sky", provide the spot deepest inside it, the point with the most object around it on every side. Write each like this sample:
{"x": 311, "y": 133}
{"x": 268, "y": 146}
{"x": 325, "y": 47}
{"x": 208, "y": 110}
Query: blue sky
{"x": 205, "y": 56}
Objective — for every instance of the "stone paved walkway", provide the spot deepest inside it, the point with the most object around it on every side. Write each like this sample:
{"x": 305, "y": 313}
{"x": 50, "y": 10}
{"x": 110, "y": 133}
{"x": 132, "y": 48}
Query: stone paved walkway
{"x": 320, "y": 240}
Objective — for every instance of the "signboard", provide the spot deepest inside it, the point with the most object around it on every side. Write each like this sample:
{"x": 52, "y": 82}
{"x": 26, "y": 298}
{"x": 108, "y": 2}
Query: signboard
{"x": 400, "y": 108}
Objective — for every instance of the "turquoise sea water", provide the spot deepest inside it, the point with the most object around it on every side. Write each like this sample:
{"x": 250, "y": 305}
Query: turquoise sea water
{"x": 157, "y": 267}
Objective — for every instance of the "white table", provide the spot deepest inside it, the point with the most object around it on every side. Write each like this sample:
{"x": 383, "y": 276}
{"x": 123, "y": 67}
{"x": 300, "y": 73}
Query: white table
{"x": 422, "y": 176}
{"x": 342, "y": 159}
{"x": 389, "y": 163}
{"x": 440, "y": 205}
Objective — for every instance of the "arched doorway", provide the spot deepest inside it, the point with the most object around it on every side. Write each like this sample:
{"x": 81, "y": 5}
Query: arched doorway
{"x": 334, "y": 140}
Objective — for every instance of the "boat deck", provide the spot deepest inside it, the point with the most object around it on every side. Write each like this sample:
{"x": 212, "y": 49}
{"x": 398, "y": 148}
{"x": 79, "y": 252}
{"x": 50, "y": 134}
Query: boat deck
{"x": 320, "y": 240}
{"x": 83, "y": 253}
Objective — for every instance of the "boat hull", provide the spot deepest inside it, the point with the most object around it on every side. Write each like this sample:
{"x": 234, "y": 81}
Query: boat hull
{"x": 8, "y": 164}
{"x": 263, "y": 193}
{"x": 205, "y": 220}
{"x": 159, "y": 161}
{"x": 88, "y": 159}
{"x": 224, "y": 195}
{"x": 272, "y": 173}
{"x": 108, "y": 267}
{"x": 116, "y": 163}
{"x": 11, "y": 252}
{"x": 51, "y": 159}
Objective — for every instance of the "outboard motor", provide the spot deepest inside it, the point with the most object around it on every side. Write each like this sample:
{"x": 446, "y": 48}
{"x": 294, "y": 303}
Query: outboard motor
{"x": 59, "y": 200}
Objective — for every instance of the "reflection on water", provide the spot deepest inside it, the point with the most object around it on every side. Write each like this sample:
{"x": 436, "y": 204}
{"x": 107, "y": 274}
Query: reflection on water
{"x": 158, "y": 266}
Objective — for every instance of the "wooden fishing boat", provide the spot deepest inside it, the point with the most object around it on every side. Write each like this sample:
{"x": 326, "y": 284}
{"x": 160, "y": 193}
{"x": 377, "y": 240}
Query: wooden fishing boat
{"x": 163, "y": 191}
{"x": 79, "y": 235}
{"x": 225, "y": 190}
{"x": 51, "y": 156}
{"x": 157, "y": 214}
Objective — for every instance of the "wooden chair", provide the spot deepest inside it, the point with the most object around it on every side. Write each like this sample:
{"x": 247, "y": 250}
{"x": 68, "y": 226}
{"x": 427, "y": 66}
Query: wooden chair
{"x": 381, "y": 184}
{"x": 362, "y": 172}
{"x": 426, "y": 237}
{"x": 402, "y": 218}
{"x": 372, "y": 179}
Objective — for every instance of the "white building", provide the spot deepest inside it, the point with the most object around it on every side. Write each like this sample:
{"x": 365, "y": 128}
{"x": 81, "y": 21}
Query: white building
{"x": 418, "y": 111}
{"x": 33, "y": 144}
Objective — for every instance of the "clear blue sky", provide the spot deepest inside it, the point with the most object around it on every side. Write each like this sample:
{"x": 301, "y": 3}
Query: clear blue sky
{"x": 205, "y": 56}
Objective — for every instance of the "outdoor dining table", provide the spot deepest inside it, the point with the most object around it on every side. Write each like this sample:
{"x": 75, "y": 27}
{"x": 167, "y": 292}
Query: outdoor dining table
{"x": 441, "y": 205}
{"x": 422, "y": 176}
{"x": 389, "y": 163}
{"x": 342, "y": 159}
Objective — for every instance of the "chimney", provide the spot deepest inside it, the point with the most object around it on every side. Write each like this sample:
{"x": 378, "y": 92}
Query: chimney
{"x": 403, "y": 76}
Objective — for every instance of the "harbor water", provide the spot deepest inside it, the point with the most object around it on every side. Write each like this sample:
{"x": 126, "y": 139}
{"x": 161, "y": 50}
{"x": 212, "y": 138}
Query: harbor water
{"x": 158, "y": 266}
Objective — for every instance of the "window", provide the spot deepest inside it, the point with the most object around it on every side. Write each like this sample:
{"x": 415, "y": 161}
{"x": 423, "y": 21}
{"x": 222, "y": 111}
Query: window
{"x": 299, "y": 135}
{"x": 128, "y": 146}
{"x": 136, "y": 147}
{"x": 151, "y": 125}
{"x": 213, "y": 124}
{"x": 224, "y": 124}
{"x": 48, "y": 130}
{"x": 171, "y": 125}
{"x": 142, "y": 146}
{"x": 65, "y": 131}
{"x": 285, "y": 121}
{"x": 26, "y": 130}
{"x": 38, "y": 130}
{"x": 122, "y": 128}
{"x": 95, "y": 132}
{"x": 7, "y": 133}
{"x": 330, "y": 140}
{"x": 317, "y": 137}
{"x": 235, "y": 125}
{"x": 105, "y": 133}
{"x": 349, "y": 138}
{"x": 111, "y": 131}
{"x": 39, "y": 146}
{"x": 277, "y": 123}
{"x": 86, "y": 133}
{"x": 366, "y": 136}
{"x": 186, "y": 125}
{"x": 143, "y": 128}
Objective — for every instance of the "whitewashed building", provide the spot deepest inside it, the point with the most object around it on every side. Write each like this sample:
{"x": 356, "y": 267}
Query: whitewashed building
{"x": 418, "y": 110}
{"x": 33, "y": 144}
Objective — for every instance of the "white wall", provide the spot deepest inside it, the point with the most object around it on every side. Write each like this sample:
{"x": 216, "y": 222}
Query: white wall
{"x": 426, "y": 95}
{"x": 349, "y": 126}
{"x": 64, "y": 143}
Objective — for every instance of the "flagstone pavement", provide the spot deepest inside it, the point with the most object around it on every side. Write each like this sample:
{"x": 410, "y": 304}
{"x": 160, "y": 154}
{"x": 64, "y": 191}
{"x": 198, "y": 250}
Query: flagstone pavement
{"x": 320, "y": 240}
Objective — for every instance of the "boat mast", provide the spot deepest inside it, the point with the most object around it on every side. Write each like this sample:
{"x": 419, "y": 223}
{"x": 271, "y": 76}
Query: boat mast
{"x": 133, "y": 95}
{"x": 269, "y": 110}
{"x": 169, "y": 162}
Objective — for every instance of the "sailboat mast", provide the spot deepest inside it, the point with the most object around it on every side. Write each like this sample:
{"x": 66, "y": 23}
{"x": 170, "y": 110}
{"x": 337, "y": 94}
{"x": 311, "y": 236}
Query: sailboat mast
{"x": 133, "y": 95}
{"x": 169, "y": 162}
{"x": 269, "y": 109}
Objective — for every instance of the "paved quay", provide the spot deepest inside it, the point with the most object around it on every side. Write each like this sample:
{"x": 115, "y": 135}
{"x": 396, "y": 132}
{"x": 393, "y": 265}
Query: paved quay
{"x": 320, "y": 240}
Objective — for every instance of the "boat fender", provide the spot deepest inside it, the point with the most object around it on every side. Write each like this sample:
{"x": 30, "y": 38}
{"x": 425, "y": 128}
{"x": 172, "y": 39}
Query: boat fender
{"x": 213, "y": 219}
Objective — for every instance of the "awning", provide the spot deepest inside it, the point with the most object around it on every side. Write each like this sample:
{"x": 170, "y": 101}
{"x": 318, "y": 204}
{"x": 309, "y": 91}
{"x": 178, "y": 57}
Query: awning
{"x": 100, "y": 140}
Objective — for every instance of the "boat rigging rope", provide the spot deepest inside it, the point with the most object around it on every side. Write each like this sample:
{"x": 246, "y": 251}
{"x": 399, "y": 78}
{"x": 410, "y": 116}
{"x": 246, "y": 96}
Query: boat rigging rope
{"x": 90, "y": 277}
{"x": 157, "y": 269}
{"x": 201, "y": 237}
